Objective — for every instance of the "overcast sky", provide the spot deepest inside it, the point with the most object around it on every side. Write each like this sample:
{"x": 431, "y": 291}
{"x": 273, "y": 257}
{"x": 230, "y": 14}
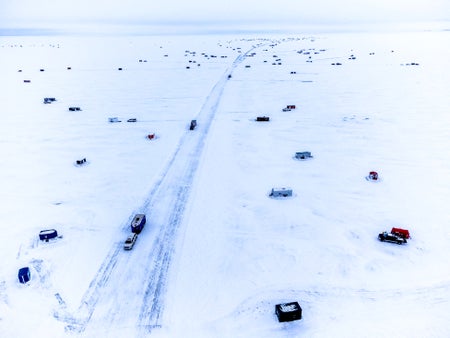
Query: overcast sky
{"x": 51, "y": 12}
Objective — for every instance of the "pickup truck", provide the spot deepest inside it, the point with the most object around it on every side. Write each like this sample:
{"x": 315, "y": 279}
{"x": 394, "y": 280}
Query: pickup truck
{"x": 385, "y": 236}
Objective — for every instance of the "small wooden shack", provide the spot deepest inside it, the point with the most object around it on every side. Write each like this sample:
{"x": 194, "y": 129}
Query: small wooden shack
{"x": 81, "y": 162}
{"x": 281, "y": 192}
{"x": 287, "y": 312}
{"x": 48, "y": 100}
{"x": 373, "y": 176}
{"x": 24, "y": 275}
{"x": 303, "y": 155}
{"x": 45, "y": 235}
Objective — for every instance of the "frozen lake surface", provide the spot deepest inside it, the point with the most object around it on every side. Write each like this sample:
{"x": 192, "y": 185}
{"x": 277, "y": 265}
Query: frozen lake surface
{"x": 217, "y": 253}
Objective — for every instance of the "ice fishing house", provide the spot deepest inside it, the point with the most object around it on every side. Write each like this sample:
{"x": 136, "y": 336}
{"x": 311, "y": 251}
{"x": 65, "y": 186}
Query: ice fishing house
{"x": 287, "y": 312}
{"x": 24, "y": 275}
{"x": 281, "y": 192}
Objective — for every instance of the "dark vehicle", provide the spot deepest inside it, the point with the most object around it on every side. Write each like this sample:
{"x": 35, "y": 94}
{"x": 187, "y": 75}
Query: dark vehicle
{"x": 385, "y": 236}
{"x": 193, "y": 125}
{"x": 137, "y": 224}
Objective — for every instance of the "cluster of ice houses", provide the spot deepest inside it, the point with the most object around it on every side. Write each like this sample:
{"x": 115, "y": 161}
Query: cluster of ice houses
{"x": 281, "y": 192}
{"x": 292, "y": 311}
{"x": 24, "y": 274}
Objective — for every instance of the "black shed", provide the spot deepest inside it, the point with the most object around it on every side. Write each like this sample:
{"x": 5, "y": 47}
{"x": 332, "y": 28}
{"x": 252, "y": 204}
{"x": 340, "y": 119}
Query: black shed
{"x": 287, "y": 312}
{"x": 24, "y": 275}
{"x": 45, "y": 235}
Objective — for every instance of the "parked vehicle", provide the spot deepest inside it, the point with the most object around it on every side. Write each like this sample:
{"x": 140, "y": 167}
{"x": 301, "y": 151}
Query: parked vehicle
{"x": 129, "y": 242}
{"x": 137, "y": 224}
{"x": 193, "y": 125}
{"x": 385, "y": 236}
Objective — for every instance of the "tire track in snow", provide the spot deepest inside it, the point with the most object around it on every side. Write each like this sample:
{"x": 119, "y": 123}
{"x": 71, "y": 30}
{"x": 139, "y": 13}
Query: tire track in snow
{"x": 90, "y": 298}
{"x": 153, "y": 301}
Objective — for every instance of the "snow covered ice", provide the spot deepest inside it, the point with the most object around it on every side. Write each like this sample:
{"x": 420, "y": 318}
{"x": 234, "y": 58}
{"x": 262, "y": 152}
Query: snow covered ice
{"x": 217, "y": 253}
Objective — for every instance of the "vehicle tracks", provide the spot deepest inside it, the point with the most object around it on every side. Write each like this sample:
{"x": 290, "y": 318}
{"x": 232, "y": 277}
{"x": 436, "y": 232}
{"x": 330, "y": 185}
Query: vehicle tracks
{"x": 164, "y": 207}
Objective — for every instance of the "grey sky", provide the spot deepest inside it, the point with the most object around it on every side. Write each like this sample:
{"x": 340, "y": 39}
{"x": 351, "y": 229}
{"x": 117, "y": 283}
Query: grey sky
{"x": 42, "y": 12}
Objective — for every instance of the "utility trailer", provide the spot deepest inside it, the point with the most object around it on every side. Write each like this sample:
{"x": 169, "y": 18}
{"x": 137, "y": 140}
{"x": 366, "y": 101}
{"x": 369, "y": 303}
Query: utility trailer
{"x": 403, "y": 233}
{"x": 137, "y": 224}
